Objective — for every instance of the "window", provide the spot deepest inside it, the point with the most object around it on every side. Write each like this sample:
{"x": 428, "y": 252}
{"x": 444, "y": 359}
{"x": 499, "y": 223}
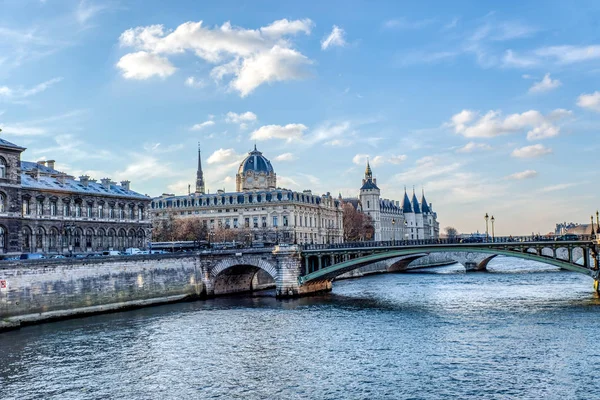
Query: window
{"x": 2, "y": 168}
{"x": 275, "y": 221}
{"x": 2, "y": 239}
{"x": 53, "y": 208}
{"x": 26, "y": 208}
{"x": 89, "y": 211}
{"x": 227, "y": 223}
{"x": 131, "y": 212}
{"x": 39, "y": 239}
{"x": 121, "y": 212}
{"x": 140, "y": 213}
{"x": 100, "y": 210}
{"x": 65, "y": 209}
{"x": 285, "y": 220}
{"x": 368, "y": 204}
{"x": 111, "y": 212}
{"x": 77, "y": 210}
{"x": 247, "y": 222}
{"x": 255, "y": 222}
{"x": 2, "y": 203}
{"x": 264, "y": 222}
{"x": 39, "y": 210}
{"x": 88, "y": 238}
{"x": 235, "y": 222}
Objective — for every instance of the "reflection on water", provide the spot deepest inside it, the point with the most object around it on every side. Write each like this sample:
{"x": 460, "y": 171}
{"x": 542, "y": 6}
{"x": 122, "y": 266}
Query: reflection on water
{"x": 523, "y": 331}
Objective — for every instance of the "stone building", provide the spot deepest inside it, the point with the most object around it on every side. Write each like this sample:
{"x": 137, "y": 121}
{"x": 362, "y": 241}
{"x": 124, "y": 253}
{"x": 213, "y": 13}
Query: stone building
{"x": 47, "y": 211}
{"x": 410, "y": 220}
{"x": 269, "y": 213}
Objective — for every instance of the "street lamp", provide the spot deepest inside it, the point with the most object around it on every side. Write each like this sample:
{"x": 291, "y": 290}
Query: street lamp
{"x": 406, "y": 230}
{"x": 486, "y": 217}
{"x": 593, "y": 230}
{"x": 394, "y": 230}
{"x": 493, "y": 234}
{"x": 597, "y": 222}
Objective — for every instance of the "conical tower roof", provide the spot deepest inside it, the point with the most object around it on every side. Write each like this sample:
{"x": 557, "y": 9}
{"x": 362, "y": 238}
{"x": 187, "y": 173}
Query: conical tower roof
{"x": 415, "y": 204}
{"x": 424, "y": 205}
{"x": 406, "y": 206}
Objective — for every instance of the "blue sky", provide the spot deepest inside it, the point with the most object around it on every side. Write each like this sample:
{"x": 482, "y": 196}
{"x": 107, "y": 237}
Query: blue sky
{"x": 489, "y": 109}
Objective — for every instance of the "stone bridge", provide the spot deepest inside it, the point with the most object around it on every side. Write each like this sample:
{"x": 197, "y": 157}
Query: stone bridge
{"x": 301, "y": 270}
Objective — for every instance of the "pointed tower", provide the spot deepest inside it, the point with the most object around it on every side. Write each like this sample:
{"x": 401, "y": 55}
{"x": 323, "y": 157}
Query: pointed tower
{"x": 410, "y": 231}
{"x": 369, "y": 199}
{"x": 424, "y": 205}
{"x": 199, "y": 174}
{"x": 419, "y": 223}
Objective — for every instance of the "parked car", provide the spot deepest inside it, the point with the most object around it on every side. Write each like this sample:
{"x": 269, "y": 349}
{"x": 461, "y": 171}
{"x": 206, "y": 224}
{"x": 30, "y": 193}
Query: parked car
{"x": 57, "y": 256}
{"x": 567, "y": 237}
{"x": 111, "y": 253}
{"x": 31, "y": 256}
{"x": 132, "y": 250}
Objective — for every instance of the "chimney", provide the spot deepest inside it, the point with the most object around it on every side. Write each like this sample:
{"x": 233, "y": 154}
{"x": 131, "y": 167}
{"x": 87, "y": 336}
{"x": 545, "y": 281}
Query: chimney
{"x": 84, "y": 179}
{"x": 125, "y": 185}
{"x": 50, "y": 163}
{"x": 62, "y": 178}
{"x": 105, "y": 182}
{"x": 42, "y": 162}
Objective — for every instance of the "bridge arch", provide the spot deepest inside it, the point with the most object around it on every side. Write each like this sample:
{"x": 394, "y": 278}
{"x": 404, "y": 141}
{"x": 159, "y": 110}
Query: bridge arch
{"x": 547, "y": 257}
{"x": 242, "y": 274}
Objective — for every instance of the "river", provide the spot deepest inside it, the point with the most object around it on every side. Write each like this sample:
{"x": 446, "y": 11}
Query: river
{"x": 522, "y": 331}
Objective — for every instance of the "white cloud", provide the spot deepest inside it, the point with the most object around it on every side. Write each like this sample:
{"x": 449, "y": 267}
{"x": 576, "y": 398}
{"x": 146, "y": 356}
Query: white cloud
{"x": 472, "y": 147}
{"x": 511, "y": 59}
{"x": 545, "y": 85}
{"x": 361, "y": 159}
{"x": 86, "y": 10}
{"x": 590, "y": 101}
{"x": 528, "y": 174}
{"x": 194, "y": 82}
{"x": 143, "y": 65}
{"x": 536, "y": 150}
{"x": 339, "y": 143}
{"x": 397, "y": 159}
{"x": 335, "y": 38}
{"x": 251, "y": 57}
{"x": 285, "y": 157}
{"x": 569, "y": 54}
{"x": 558, "y": 187}
{"x": 403, "y": 23}
{"x": 200, "y": 126}
{"x": 20, "y": 93}
{"x": 243, "y": 119}
{"x": 471, "y": 125}
{"x": 224, "y": 156}
{"x": 288, "y": 132}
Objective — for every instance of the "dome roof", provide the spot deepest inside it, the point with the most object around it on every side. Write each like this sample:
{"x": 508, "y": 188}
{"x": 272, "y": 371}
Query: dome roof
{"x": 256, "y": 162}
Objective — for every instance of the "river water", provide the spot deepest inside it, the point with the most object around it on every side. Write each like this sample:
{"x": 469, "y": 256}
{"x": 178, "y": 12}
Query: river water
{"x": 522, "y": 331}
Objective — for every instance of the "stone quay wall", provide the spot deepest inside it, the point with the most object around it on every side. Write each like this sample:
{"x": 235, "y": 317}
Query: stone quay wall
{"x": 40, "y": 290}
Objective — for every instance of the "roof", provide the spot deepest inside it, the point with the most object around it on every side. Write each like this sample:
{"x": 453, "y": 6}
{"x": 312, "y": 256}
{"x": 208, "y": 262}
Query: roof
{"x": 406, "y": 206}
{"x": 424, "y": 205}
{"x": 584, "y": 229}
{"x": 6, "y": 143}
{"x": 415, "y": 204}
{"x": 354, "y": 202}
{"x": 369, "y": 184}
{"x": 72, "y": 185}
{"x": 388, "y": 205}
{"x": 28, "y": 166}
{"x": 255, "y": 161}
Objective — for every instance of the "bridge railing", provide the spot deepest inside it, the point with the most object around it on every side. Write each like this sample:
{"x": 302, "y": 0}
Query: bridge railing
{"x": 443, "y": 241}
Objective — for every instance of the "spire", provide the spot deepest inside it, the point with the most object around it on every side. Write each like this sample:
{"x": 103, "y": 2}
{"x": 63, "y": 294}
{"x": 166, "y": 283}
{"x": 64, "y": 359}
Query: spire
{"x": 424, "y": 205}
{"x": 415, "y": 203}
{"x": 368, "y": 172}
{"x": 406, "y": 206}
{"x": 199, "y": 174}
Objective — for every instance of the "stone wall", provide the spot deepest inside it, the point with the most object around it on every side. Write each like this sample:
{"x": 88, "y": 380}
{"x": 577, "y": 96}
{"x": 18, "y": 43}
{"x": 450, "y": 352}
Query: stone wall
{"x": 39, "y": 290}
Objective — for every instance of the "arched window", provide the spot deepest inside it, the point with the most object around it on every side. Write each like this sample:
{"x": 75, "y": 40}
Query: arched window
{"x": 111, "y": 238}
{"x": 27, "y": 240}
{"x": 2, "y": 240}
{"x": 53, "y": 239}
{"x": 77, "y": 238}
{"x": 2, "y": 203}
{"x": 89, "y": 234}
{"x": 100, "y": 238}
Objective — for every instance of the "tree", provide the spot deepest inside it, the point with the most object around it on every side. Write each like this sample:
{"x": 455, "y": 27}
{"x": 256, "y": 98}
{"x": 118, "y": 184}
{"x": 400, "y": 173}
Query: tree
{"x": 357, "y": 225}
{"x": 451, "y": 232}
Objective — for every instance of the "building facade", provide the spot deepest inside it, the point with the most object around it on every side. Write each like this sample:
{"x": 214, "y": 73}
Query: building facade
{"x": 392, "y": 220}
{"x": 43, "y": 210}
{"x": 258, "y": 206}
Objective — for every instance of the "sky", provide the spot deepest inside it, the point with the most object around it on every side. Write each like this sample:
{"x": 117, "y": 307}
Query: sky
{"x": 487, "y": 107}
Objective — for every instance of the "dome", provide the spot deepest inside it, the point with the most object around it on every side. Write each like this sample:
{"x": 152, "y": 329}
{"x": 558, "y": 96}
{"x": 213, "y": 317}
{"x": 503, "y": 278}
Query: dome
{"x": 256, "y": 162}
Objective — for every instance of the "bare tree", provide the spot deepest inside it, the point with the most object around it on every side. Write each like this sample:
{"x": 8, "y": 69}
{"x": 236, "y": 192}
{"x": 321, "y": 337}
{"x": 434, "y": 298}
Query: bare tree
{"x": 451, "y": 232}
{"x": 357, "y": 225}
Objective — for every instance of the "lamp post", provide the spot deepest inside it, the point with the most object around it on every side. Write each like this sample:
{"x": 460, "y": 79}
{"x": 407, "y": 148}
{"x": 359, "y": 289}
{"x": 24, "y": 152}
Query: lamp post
{"x": 487, "y": 218}
{"x": 593, "y": 230}
{"x": 597, "y": 222}
{"x": 493, "y": 233}
{"x": 394, "y": 230}
{"x": 406, "y": 230}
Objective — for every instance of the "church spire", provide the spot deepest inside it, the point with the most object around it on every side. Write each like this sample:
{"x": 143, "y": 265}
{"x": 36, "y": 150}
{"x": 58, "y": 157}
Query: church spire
{"x": 199, "y": 174}
{"x": 368, "y": 172}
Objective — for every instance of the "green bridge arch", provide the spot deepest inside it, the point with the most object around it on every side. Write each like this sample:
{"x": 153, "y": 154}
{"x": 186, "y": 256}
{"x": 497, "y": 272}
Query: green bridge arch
{"x": 331, "y": 272}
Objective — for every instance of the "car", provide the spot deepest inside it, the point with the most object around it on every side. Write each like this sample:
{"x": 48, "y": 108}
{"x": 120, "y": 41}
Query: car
{"x": 55, "y": 256}
{"x": 567, "y": 237}
{"x": 31, "y": 256}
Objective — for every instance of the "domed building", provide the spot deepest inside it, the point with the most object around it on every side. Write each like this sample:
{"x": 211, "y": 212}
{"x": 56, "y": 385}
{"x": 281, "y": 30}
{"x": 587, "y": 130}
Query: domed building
{"x": 255, "y": 173}
{"x": 258, "y": 210}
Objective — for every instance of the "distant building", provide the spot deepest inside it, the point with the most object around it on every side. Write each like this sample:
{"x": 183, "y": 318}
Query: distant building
{"x": 47, "y": 211}
{"x": 392, "y": 220}
{"x": 269, "y": 213}
{"x": 563, "y": 227}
